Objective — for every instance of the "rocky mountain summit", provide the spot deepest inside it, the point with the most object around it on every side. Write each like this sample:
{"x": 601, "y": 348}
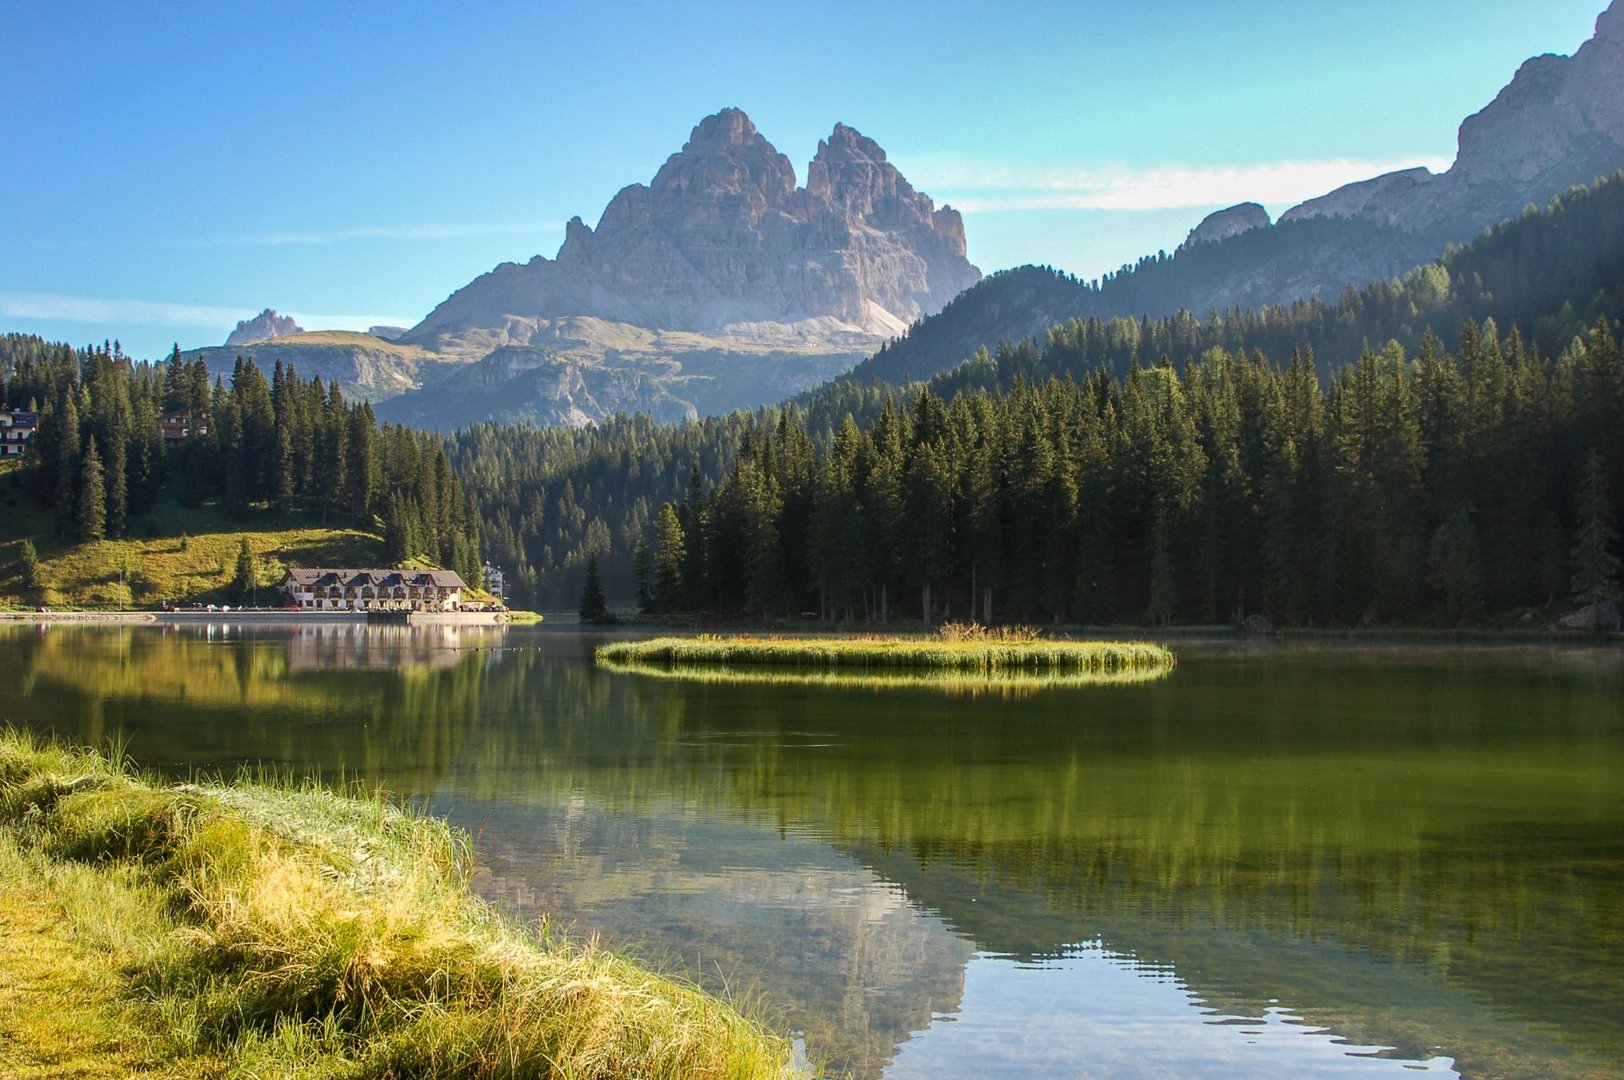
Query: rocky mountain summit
{"x": 723, "y": 242}
{"x": 262, "y": 327}
{"x": 1559, "y": 122}
{"x": 1222, "y": 224}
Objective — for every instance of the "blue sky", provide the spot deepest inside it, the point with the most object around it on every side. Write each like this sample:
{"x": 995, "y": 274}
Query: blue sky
{"x": 169, "y": 168}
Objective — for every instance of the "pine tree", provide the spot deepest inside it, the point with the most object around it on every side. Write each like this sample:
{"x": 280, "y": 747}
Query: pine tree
{"x": 667, "y": 561}
{"x": 92, "y": 495}
{"x": 594, "y": 609}
{"x": 32, "y": 576}
{"x": 246, "y": 578}
{"x": 1595, "y": 564}
{"x": 68, "y": 467}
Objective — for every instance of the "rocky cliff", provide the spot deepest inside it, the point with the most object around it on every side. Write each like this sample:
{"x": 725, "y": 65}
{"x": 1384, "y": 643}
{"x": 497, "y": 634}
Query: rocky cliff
{"x": 1559, "y": 122}
{"x": 262, "y": 327}
{"x": 723, "y": 242}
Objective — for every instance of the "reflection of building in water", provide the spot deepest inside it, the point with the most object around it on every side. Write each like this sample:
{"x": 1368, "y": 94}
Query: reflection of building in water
{"x": 373, "y": 590}
{"x": 360, "y": 647}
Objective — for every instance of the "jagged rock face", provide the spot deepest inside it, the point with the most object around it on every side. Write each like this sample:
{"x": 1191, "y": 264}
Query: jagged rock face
{"x": 1559, "y": 122}
{"x": 262, "y": 327}
{"x": 1222, "y": 224}
{"x": 1354, "y": 200}
{"x": 722, "y": 237}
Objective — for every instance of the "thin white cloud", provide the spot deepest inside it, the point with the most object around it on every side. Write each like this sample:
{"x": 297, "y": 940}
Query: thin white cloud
{"x": 442, "y": 231}
{"x": 977, "y": 188}
{"x": 109, "y": 311}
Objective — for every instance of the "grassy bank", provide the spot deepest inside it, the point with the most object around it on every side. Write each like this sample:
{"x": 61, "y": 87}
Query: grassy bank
{"x": 245, "y": 929}
{"x": 174, "y": 553}
{"x": 954, "y": 649}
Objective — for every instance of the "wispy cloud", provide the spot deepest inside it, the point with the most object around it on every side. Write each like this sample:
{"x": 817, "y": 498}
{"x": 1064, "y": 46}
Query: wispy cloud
{"x": 980, "y": 188}
{"x": 109, "y": 311}
{"x": 433, "y": 231}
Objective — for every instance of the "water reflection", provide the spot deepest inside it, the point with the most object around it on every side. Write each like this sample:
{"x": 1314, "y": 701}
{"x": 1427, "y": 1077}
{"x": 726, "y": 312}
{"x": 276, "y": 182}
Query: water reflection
{"x": 1372, "y": 859}
{"x": 954, "y": 683}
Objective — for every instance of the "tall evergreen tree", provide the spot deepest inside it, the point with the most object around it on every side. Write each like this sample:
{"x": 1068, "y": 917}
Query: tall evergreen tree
{"x": 594, "y": 608}
{"x": 92, "y": 518}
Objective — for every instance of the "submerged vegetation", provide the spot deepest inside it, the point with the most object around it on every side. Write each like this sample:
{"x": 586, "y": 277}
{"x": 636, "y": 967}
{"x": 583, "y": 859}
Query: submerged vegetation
{"x": 956, "y": 648}
{"x": 270, "y": 931}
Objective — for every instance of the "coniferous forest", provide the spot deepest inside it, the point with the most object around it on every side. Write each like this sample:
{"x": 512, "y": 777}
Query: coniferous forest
{"x": 260, "y": 450}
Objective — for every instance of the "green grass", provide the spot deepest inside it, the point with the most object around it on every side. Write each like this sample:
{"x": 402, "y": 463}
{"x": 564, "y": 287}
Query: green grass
{"x": 260, "y": 930}
{"x": 174, "y": 553}
{"x": 955, "y": 649}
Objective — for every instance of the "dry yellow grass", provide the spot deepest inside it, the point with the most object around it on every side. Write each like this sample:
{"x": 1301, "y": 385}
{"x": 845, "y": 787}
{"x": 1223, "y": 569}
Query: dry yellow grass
{"x": 305, "y": 933}
{"x": 67, "y": 1012}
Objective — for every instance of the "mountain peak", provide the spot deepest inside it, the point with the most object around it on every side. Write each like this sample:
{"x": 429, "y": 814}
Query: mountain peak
{"x": 267, "y": 324}
{"x": 1558, "y": 122}
{"x": 848, "y": 142}
{"x": 1610, "y": 24}
{"x": 723, "y": 238}
{"x": 727, "y": 127}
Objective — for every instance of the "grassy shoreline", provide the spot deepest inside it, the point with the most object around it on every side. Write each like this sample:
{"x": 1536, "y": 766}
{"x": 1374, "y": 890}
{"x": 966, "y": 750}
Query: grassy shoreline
{"x": 255, "y": 929}
{"x": 967, "y": 650}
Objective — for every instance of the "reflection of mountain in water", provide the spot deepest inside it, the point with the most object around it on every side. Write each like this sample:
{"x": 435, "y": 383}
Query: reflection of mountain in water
{"x": 826, "y": 948}
{"x": 1387, "y": 843}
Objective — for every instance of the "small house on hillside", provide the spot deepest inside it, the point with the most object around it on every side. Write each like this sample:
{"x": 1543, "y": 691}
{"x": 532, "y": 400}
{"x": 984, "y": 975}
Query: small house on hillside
{"x": 16, "y": 428}
{"x": 373, "y": 590}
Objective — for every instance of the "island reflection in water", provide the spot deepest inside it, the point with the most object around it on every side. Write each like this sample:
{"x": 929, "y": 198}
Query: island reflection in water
{"x": 1415, "y": 852}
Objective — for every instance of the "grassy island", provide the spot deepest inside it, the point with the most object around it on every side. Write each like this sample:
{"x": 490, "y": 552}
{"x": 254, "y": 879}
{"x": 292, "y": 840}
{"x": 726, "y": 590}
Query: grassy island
{"x": 262, "y": 930}
{"x": 953, "y": 649}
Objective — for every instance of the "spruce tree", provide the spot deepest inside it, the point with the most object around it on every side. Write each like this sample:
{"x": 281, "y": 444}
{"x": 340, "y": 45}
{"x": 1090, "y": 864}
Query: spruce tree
{"x": 246, "y": 578}
{"x": 32, "y": 577}
{"x": 594, "y": 608}
{"x": 92, "y": 495}
{"x": 669, "y": 556}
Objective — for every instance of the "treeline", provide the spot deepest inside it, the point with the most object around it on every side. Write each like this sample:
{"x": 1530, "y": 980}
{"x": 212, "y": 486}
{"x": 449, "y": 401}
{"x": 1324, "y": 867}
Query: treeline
{"x": 252, "y": 446}
{"x": 1552, "y": 272}
{"x": 552, "y": 499}
{"x": 1411, "y": 488}
{"x": 1425, "y": 488}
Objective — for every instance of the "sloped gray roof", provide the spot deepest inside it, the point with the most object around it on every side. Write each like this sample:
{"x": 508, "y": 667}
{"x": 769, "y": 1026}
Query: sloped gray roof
{"x": 319, "y": 577}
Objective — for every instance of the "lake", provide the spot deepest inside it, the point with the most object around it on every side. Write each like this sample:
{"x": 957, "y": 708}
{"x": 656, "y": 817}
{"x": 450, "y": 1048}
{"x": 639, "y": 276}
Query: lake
{"x": 1306, "y": 861}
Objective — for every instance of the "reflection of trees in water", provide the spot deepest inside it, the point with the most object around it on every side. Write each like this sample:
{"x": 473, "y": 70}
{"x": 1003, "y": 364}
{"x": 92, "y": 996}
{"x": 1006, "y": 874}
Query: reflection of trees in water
{"x": 223, "y": 697}
{"x": 1443, "y": 838}
{"x": 946, "y": 681}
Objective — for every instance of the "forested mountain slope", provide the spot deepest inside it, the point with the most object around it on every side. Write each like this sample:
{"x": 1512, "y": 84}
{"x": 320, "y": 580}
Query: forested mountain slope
{"x": 1550, "y": 272}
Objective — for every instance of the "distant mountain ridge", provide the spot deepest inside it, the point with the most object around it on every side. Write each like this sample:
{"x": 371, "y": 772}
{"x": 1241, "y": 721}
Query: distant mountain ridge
{"x": 1558, "y": 123}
